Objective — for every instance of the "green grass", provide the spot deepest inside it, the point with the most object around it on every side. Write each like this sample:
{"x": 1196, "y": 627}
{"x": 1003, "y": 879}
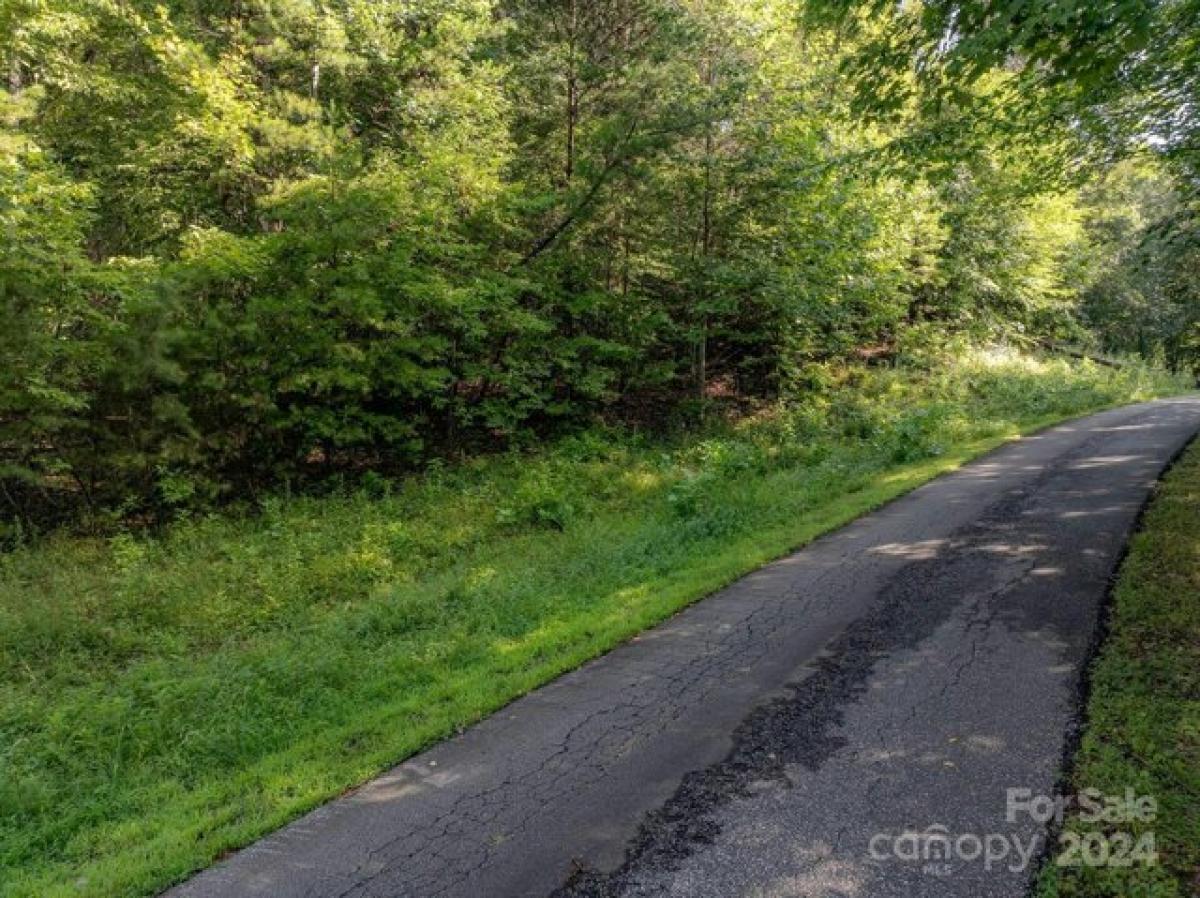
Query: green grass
{"x": 1143, "y": 713}
{"x": 165, "y": 699}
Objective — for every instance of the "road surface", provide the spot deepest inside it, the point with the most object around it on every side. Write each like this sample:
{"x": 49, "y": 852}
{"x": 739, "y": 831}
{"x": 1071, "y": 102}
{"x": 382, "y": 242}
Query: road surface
{"x": 790, "y": 734}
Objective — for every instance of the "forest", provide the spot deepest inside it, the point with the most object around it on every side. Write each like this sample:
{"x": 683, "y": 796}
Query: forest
{"x": 259, "y": 244}
{"x": 365, "y": 364}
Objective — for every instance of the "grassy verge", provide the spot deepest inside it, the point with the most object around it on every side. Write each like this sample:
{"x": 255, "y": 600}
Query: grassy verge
{"x": 1143, "y": 714}
{"x": 163, "y": 700}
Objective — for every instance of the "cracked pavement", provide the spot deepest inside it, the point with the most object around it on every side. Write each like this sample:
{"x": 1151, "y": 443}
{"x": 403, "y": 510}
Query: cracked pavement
{"x": 897, "y": 674}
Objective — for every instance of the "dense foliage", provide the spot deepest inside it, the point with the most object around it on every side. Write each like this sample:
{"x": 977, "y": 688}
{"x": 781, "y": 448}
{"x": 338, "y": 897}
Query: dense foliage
{"x": 251, "y": 244}
{"x": 251, "y": 250}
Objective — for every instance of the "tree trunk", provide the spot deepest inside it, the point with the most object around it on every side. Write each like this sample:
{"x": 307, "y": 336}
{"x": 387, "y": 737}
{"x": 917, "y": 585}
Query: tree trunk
{"x": 572, "y": 109}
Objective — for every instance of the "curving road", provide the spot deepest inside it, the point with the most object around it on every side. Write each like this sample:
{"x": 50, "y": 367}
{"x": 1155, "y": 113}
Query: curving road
{"x": 782, "y": 736}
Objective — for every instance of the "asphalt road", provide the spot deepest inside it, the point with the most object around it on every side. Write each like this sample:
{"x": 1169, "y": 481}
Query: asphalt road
{"x": 782, "y": 736}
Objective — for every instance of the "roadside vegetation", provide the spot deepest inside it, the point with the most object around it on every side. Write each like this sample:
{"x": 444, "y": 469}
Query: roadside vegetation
{"x": 262, "y": 246}
{"x": 365, "y": 363}
{"x": 1143, "y": 713}
{"x": 165, "y": 697}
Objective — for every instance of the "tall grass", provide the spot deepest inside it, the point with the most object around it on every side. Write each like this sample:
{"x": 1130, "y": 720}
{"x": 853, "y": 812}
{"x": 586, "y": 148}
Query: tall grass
{"x": 165, "y": 698}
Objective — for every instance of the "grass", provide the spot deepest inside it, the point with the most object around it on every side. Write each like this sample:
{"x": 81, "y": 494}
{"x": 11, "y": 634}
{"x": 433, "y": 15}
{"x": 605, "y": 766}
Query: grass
{"x": 1143, "y": 713}
{"x": 165, "y": 699}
